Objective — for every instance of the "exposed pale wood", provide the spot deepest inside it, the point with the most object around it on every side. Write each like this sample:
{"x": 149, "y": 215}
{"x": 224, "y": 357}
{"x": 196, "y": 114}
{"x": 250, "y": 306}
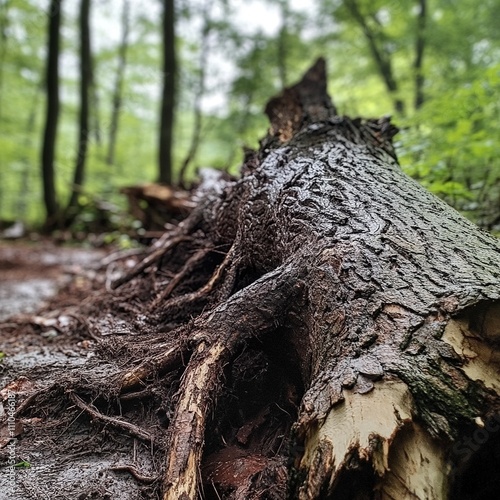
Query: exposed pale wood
{"x": 481, "y": 359}
{"x": 187, "y": 429}
{"x": 418, "y": 467}
{"x": 363, "y": 425}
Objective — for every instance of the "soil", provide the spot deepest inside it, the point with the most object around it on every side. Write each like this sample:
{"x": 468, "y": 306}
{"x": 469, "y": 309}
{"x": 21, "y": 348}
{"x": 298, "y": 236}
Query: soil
{"x": 62, "y": 325}
{"x": 32, "y": 273}
{"x": 40, "y": 286}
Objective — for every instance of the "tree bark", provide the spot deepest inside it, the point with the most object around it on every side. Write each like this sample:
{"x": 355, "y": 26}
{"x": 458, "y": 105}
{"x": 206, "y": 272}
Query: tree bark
{"x": 83, "y": 131}
{"x": 52, "y": 114}
{"x": 328, "y": 328}
{"x": 165, "y": 160}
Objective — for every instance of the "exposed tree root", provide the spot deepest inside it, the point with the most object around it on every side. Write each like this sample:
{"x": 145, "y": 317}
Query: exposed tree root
{"x": 186, "y": 432}
{"x": 152, "y": 258}
{"x": 129, "y": 428}
{"x": 135, "y": 473}
{"x": 244, "y": 316}
{"x": 152, "y": 367}
{"x": 192, "y": 263}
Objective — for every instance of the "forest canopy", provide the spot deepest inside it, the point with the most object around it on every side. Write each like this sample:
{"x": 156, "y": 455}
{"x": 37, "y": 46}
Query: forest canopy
{"x": 434, "y": 65}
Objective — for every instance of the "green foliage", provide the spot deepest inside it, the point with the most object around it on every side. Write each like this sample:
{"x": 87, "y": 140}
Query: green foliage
{"x": 23, "y": 464}
{"x": 452, "y": 146}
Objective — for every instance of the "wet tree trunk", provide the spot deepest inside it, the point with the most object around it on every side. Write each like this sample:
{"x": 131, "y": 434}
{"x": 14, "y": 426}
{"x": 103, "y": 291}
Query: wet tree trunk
{"x": 328, "y": 328}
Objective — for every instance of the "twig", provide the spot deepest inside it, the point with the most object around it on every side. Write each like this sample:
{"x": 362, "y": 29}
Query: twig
{"x": 129, "y": 396}
{"x": 132, "y": 429}
{"x": 134, "y": 472}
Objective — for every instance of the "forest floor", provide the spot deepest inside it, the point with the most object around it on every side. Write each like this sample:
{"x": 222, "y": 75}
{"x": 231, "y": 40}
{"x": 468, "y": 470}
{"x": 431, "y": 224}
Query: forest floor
{"x": 40, "y": 284}
{"x": 31, "y": 273}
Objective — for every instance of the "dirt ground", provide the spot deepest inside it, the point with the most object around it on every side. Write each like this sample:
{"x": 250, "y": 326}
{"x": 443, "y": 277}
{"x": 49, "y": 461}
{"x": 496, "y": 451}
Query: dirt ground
{"x": 63, "y": 326}
{"x": 32, "y": 273}
{"x": 40, "y": 285}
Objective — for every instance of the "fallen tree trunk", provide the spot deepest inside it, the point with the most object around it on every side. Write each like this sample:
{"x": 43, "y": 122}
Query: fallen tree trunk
{"x": 321, "y": 327}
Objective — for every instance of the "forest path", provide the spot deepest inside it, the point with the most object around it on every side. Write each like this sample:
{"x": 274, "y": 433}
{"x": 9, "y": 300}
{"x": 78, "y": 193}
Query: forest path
{"x": 31, "y": 273}
{"x": 40, "y": 284}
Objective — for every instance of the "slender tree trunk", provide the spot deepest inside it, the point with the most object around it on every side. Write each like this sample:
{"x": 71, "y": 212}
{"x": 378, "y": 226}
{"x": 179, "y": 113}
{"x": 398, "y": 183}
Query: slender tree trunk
{"x": 118, "y": 90}
{"x": 26, "y": 160}
{"x": 95, "y": 105}
{"x": 282, "y": 44}
{"x": 419, "y": 54}
{"x": 200, "y": 92}
{"x": 83, "y": 133}
{"x": 165, "y": 159}
{"x": 52, "y": 114}
{"x": 381, "y": 57}
{"x": 4, "y": 23}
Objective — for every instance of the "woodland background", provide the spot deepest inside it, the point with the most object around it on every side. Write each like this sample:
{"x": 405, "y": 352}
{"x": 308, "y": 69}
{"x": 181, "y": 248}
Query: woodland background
{"x": 434, "y": 65}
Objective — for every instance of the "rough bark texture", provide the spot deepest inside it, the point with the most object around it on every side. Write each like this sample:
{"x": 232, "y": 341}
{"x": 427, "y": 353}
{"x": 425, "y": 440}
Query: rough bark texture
{"x": 325, "y": 327}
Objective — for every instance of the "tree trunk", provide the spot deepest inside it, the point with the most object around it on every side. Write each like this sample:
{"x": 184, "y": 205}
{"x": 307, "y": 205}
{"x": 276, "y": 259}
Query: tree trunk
{"x": 381, "y": 57}
{"x": 419, "y": 53}
{"x": 83, "y": 131}
{"x": 327, "y": 328}
{"x": 118, "y": 90}
{"x": 200, "y": 92}
{"x": 168, "y": 94}
{"x": 52, "y": 114}
{"x": 4, "y": 23}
